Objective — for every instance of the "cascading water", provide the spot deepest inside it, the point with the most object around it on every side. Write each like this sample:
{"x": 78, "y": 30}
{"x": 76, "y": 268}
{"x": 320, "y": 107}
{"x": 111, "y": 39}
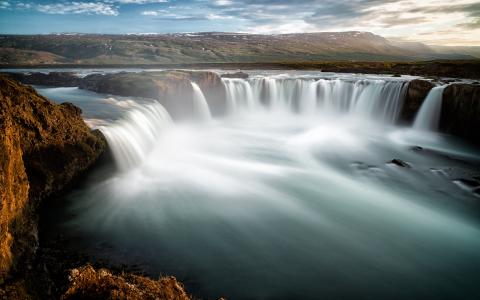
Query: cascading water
{"x": 428, "y": 116}
{"x": 200, "y": 105}
{"x": 283, "y": 201}
{"x": 132, "y": 137}
{"x": 380, "y": 99}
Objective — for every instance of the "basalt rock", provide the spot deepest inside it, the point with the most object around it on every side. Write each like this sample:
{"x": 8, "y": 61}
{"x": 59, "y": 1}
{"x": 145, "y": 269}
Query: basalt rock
{"x": 417, "y": 91}
{"x": 43, "y": 147}
{"x": 461, "y": 111}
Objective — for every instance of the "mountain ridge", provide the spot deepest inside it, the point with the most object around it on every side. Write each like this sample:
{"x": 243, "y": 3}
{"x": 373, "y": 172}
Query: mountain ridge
{"x": 211, "y": 47}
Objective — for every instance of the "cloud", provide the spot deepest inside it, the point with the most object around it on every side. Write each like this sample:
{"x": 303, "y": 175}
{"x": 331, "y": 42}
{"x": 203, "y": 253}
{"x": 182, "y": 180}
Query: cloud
{"x": 408, "y": 19}
{"x": 149, "y": 13}
{"x": 136, "y": 1}
{"x": 4, "y": 5}
{"x": 97, "y": 8}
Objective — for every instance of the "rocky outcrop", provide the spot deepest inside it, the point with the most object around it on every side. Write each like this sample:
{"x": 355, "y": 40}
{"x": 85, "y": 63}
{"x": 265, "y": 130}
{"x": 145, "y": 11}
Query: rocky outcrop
{"x": 417, "y": 91}
{"x": 58, "y": 79}
{"x": 171, "y": 88}
{"x": 88, "y": 283}
{"x": 461, "y": 111}
{"x": 43, "y": 147}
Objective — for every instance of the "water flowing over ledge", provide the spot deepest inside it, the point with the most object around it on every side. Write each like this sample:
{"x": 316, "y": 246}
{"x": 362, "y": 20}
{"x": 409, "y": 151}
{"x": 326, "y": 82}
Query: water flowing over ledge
{"x": 428, "y": 117}
{"x": 132, "y": 138}
{"x": 302, "y": 183}
{"x": 378, "y": 99}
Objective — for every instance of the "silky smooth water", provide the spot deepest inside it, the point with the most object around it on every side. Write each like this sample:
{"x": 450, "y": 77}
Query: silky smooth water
{"x": 289, "y": 196}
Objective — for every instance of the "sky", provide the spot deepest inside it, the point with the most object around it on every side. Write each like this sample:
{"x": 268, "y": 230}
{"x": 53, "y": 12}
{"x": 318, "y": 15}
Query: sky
{"x": 434, "y": 22}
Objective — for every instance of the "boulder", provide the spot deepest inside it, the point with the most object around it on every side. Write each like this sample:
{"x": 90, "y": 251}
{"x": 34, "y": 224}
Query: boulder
{"x": 400, "y": 163}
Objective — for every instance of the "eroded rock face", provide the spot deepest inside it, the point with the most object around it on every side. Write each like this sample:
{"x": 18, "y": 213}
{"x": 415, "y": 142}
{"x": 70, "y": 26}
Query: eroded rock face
{"x": 88, "y": 283}
{"x": 461, "y": 111}
{"x": 171, "y": 88}
{"x": 43, "y": 147}
{"x": 417, "y": 92}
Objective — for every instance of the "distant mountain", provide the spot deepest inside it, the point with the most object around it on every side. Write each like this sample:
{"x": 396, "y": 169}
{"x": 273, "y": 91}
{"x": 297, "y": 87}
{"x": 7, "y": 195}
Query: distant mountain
{"x": 466, "y": 50}
{"x": 209, "y": 47}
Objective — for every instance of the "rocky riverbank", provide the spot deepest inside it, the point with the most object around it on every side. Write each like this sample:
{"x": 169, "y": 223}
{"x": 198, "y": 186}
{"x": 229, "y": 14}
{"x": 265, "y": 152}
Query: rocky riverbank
{"x": 44, "y": 148}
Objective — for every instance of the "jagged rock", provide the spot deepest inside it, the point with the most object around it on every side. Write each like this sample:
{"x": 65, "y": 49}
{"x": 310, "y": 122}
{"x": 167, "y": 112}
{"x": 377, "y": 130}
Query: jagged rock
{"x": 417, "y": 91}
{"x": 461, "y": 111}
{"x": 88, "y": 283}
{"x": 43, "y": 147}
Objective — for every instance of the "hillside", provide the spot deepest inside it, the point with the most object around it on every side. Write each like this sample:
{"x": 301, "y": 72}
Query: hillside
{"x": 207, "y": 47}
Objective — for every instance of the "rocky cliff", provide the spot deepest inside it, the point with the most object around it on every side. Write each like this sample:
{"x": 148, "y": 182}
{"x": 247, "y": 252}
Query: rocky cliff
{"x": 461, "y": 111}
{"x": 460, "y": 114}
{"x": 43, "y": 147}
{"x": 171, "y": 88}
{"x": 417, "y": 90}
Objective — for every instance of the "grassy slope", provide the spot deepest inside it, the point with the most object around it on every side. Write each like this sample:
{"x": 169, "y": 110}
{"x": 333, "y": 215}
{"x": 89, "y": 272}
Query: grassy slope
{"x": 162, "y": 49}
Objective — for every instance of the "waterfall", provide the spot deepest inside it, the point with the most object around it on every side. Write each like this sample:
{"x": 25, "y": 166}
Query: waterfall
{"x": 239, "y": 94}
{"x": 380, "y": 99}
{"x": 428, "y": 116}
{"x": 200, "y": 104}
{"x": 131, "y": 138}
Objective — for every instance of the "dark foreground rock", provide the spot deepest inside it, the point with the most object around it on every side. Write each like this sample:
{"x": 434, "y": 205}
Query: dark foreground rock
{"x": 461, "y": 111}
{"x": 88, "y": 283}
{"x": 43, "y": 148}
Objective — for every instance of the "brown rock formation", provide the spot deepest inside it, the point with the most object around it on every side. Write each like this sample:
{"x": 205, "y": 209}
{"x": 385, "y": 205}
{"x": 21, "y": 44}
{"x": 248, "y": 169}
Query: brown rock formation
{"x": 43, "y": 147}
{"x": 461, "y": 111}
{"x": 87, "y": 283}
{"x": 171, "y": 88}
{"x": 417, "y": 92}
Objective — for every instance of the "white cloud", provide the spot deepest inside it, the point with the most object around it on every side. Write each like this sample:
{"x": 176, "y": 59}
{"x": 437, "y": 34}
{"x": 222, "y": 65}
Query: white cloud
{"x": 22, "y": 5}
{"x": 223, "y": 2}
{"x": 96, "y": 8}
{"x": 4, "y": 5}
{"x": 149, "y": 13}
{"x": 137, "y": 1}
{"x": 218, "y": 17}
